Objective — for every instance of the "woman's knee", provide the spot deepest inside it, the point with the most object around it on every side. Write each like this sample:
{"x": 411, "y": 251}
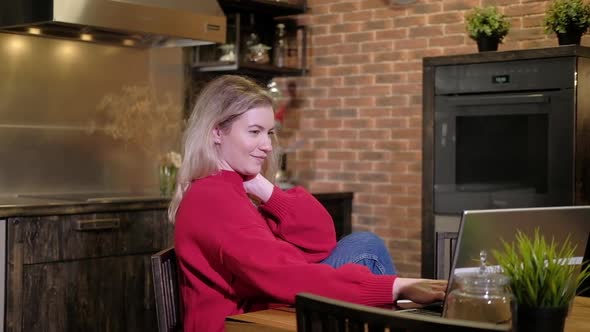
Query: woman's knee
{"x": 364, "y": 248}
{"x": 370, "y": 247}
{"x": 366, "y": 240}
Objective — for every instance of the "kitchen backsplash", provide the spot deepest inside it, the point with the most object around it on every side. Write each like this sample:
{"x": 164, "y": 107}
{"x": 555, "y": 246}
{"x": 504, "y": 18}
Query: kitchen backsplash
{"x": 51, "y": 134}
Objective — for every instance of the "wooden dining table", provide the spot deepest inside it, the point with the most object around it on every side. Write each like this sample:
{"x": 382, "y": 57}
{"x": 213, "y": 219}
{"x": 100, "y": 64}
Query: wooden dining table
{"x": 282, "y": 319}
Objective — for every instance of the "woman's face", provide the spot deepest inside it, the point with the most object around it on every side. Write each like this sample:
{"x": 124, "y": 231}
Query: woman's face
{"x": 245, "y": 146}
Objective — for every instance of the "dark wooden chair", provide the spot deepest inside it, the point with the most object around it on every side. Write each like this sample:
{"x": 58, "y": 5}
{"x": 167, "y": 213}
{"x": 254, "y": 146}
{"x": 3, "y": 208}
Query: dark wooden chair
{"x": 320, "y": 314}
{"x": 166, "y": 290}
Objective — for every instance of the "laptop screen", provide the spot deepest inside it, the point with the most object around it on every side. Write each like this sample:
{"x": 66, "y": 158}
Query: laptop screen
{"x": 484, "y": 229}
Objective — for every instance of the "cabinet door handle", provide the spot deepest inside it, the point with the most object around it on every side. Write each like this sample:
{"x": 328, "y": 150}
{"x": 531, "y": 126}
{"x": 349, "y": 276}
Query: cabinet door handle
{"x": 97, "y": 224}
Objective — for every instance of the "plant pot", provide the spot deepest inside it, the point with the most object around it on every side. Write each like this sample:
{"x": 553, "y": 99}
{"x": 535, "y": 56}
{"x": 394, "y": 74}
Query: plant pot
{"x": 531, "y": 319}
{"x": 487, "y": 43}
{"x": 569, "y": 37}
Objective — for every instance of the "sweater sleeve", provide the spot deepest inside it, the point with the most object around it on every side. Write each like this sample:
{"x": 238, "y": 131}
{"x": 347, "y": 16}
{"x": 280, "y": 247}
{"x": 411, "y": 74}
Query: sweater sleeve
{"x": 302, "y": 221}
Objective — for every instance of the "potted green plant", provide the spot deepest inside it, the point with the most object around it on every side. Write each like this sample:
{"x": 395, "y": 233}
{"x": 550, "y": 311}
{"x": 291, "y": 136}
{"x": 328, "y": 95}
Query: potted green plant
{"x": 569, "y": 19}
{"x": 487, "y": 26}
{"x": 543, "y": 279}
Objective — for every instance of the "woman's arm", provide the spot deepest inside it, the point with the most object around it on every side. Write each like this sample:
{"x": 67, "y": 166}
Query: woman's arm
{"x": 296, "y": 217}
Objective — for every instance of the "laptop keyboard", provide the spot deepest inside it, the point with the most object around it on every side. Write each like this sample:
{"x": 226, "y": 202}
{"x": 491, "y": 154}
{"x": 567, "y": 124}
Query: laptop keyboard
{"x": 428, "y": 312}
{"x": 434, "y": 309}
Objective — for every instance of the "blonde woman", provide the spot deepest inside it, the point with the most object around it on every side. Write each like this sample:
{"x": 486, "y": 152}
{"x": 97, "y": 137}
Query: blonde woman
{"x": 237, "y": 256}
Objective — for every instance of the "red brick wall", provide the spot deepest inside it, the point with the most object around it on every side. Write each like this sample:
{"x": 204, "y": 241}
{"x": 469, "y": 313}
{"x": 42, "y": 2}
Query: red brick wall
{"x": 360, "y": 112}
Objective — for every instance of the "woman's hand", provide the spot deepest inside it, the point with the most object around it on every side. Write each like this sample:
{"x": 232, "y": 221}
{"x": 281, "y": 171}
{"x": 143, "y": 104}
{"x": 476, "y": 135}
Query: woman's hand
{"x": 259, "y": 187}
{"x": 421, "y": 291}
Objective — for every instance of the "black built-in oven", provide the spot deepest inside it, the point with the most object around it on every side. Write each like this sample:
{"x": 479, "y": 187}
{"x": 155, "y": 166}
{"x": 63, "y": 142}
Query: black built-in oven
{"x": 504, "y": 135}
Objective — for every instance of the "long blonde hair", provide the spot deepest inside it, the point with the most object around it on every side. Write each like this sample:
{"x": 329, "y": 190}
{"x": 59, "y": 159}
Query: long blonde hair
{"x": 219, "y": 104}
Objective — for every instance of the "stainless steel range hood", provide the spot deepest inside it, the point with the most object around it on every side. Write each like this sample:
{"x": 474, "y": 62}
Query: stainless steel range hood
{"x": 135, "y": 23}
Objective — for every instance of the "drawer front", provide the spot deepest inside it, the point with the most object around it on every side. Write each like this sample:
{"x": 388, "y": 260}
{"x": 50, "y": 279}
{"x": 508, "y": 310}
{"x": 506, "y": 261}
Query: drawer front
{"x": 70, "y": 237}
{"x": 103, "y": 294}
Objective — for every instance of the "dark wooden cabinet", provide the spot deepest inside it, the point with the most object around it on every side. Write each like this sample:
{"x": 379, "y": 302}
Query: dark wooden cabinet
{"x": 339, "y": 205}
{"x": 83, "y": 272}
{"x": 72, "y": 268}
{"x": 269, "y": 7}
{"x": 260, "y": 18}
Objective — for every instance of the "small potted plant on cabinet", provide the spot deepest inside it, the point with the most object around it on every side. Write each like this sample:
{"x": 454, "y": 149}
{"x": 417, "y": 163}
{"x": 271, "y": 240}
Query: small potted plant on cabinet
{"x": 569, "y": 19}
{"x": 543, "y": 278}
{"x": 487, "y": 26}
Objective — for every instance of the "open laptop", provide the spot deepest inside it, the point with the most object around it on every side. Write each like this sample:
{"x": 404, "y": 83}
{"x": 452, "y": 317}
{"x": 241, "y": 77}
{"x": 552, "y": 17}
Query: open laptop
{"x": 484, "y": 230}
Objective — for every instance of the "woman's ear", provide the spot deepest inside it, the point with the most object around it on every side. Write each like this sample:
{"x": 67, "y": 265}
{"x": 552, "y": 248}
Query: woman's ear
{"x": 216, "y": 135}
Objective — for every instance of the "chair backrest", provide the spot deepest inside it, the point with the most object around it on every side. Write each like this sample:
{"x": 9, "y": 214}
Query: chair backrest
{"x": 166, "y": 290}
{"x": 320, "y": 314}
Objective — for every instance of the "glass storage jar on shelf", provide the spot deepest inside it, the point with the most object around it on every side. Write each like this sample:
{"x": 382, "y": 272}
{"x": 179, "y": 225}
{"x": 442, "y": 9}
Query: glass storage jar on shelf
{"x": 259, "y": 54}
{"x": 294, "y": 40}
{"x": 228, "y": 53}
{"x": 251, "y": 40}
{"x": 280, "y": 48}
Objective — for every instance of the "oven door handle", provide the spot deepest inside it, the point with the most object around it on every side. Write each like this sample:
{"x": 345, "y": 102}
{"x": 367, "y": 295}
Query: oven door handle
{"x": 501, "y": 100}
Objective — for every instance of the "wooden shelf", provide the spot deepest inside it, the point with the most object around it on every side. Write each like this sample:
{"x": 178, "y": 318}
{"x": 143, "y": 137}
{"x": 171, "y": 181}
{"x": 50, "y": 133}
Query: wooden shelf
{"x": 267, "y": 7}
{"x": 248, "y": 68}
{"x": 259, "y": 17}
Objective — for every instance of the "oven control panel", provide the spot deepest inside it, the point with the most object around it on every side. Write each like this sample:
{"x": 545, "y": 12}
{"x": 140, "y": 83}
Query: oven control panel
{"x": 518, "y": 75}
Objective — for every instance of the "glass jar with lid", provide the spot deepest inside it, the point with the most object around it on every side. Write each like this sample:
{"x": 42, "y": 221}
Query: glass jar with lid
{"x": 481, "y": 296}
{"x": 259, "y": 54}
{"x": 227, "y": 53}
{"x": 280, "y": 47}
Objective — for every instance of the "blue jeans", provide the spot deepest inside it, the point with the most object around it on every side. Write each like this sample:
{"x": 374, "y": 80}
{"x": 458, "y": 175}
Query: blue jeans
{"x": 364, "y": 248}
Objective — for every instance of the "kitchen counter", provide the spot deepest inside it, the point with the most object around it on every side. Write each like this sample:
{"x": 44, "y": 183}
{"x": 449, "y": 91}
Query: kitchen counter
{"x": 18, "y": 206}
{"x": 339, "y": 205}
{"x": 97, "y": 247}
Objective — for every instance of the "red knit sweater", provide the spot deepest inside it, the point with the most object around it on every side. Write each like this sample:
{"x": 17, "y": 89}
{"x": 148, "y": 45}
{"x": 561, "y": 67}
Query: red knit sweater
{"x": 236, "y": 258}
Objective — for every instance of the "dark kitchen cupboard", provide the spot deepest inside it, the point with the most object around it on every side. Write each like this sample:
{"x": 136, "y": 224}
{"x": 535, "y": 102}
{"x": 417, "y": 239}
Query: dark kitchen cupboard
{"x": 339, "y": 206}
{"x": 86, "y": 267}
{"x": 250, "y": 22}
{"x": 83, "y": 272}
